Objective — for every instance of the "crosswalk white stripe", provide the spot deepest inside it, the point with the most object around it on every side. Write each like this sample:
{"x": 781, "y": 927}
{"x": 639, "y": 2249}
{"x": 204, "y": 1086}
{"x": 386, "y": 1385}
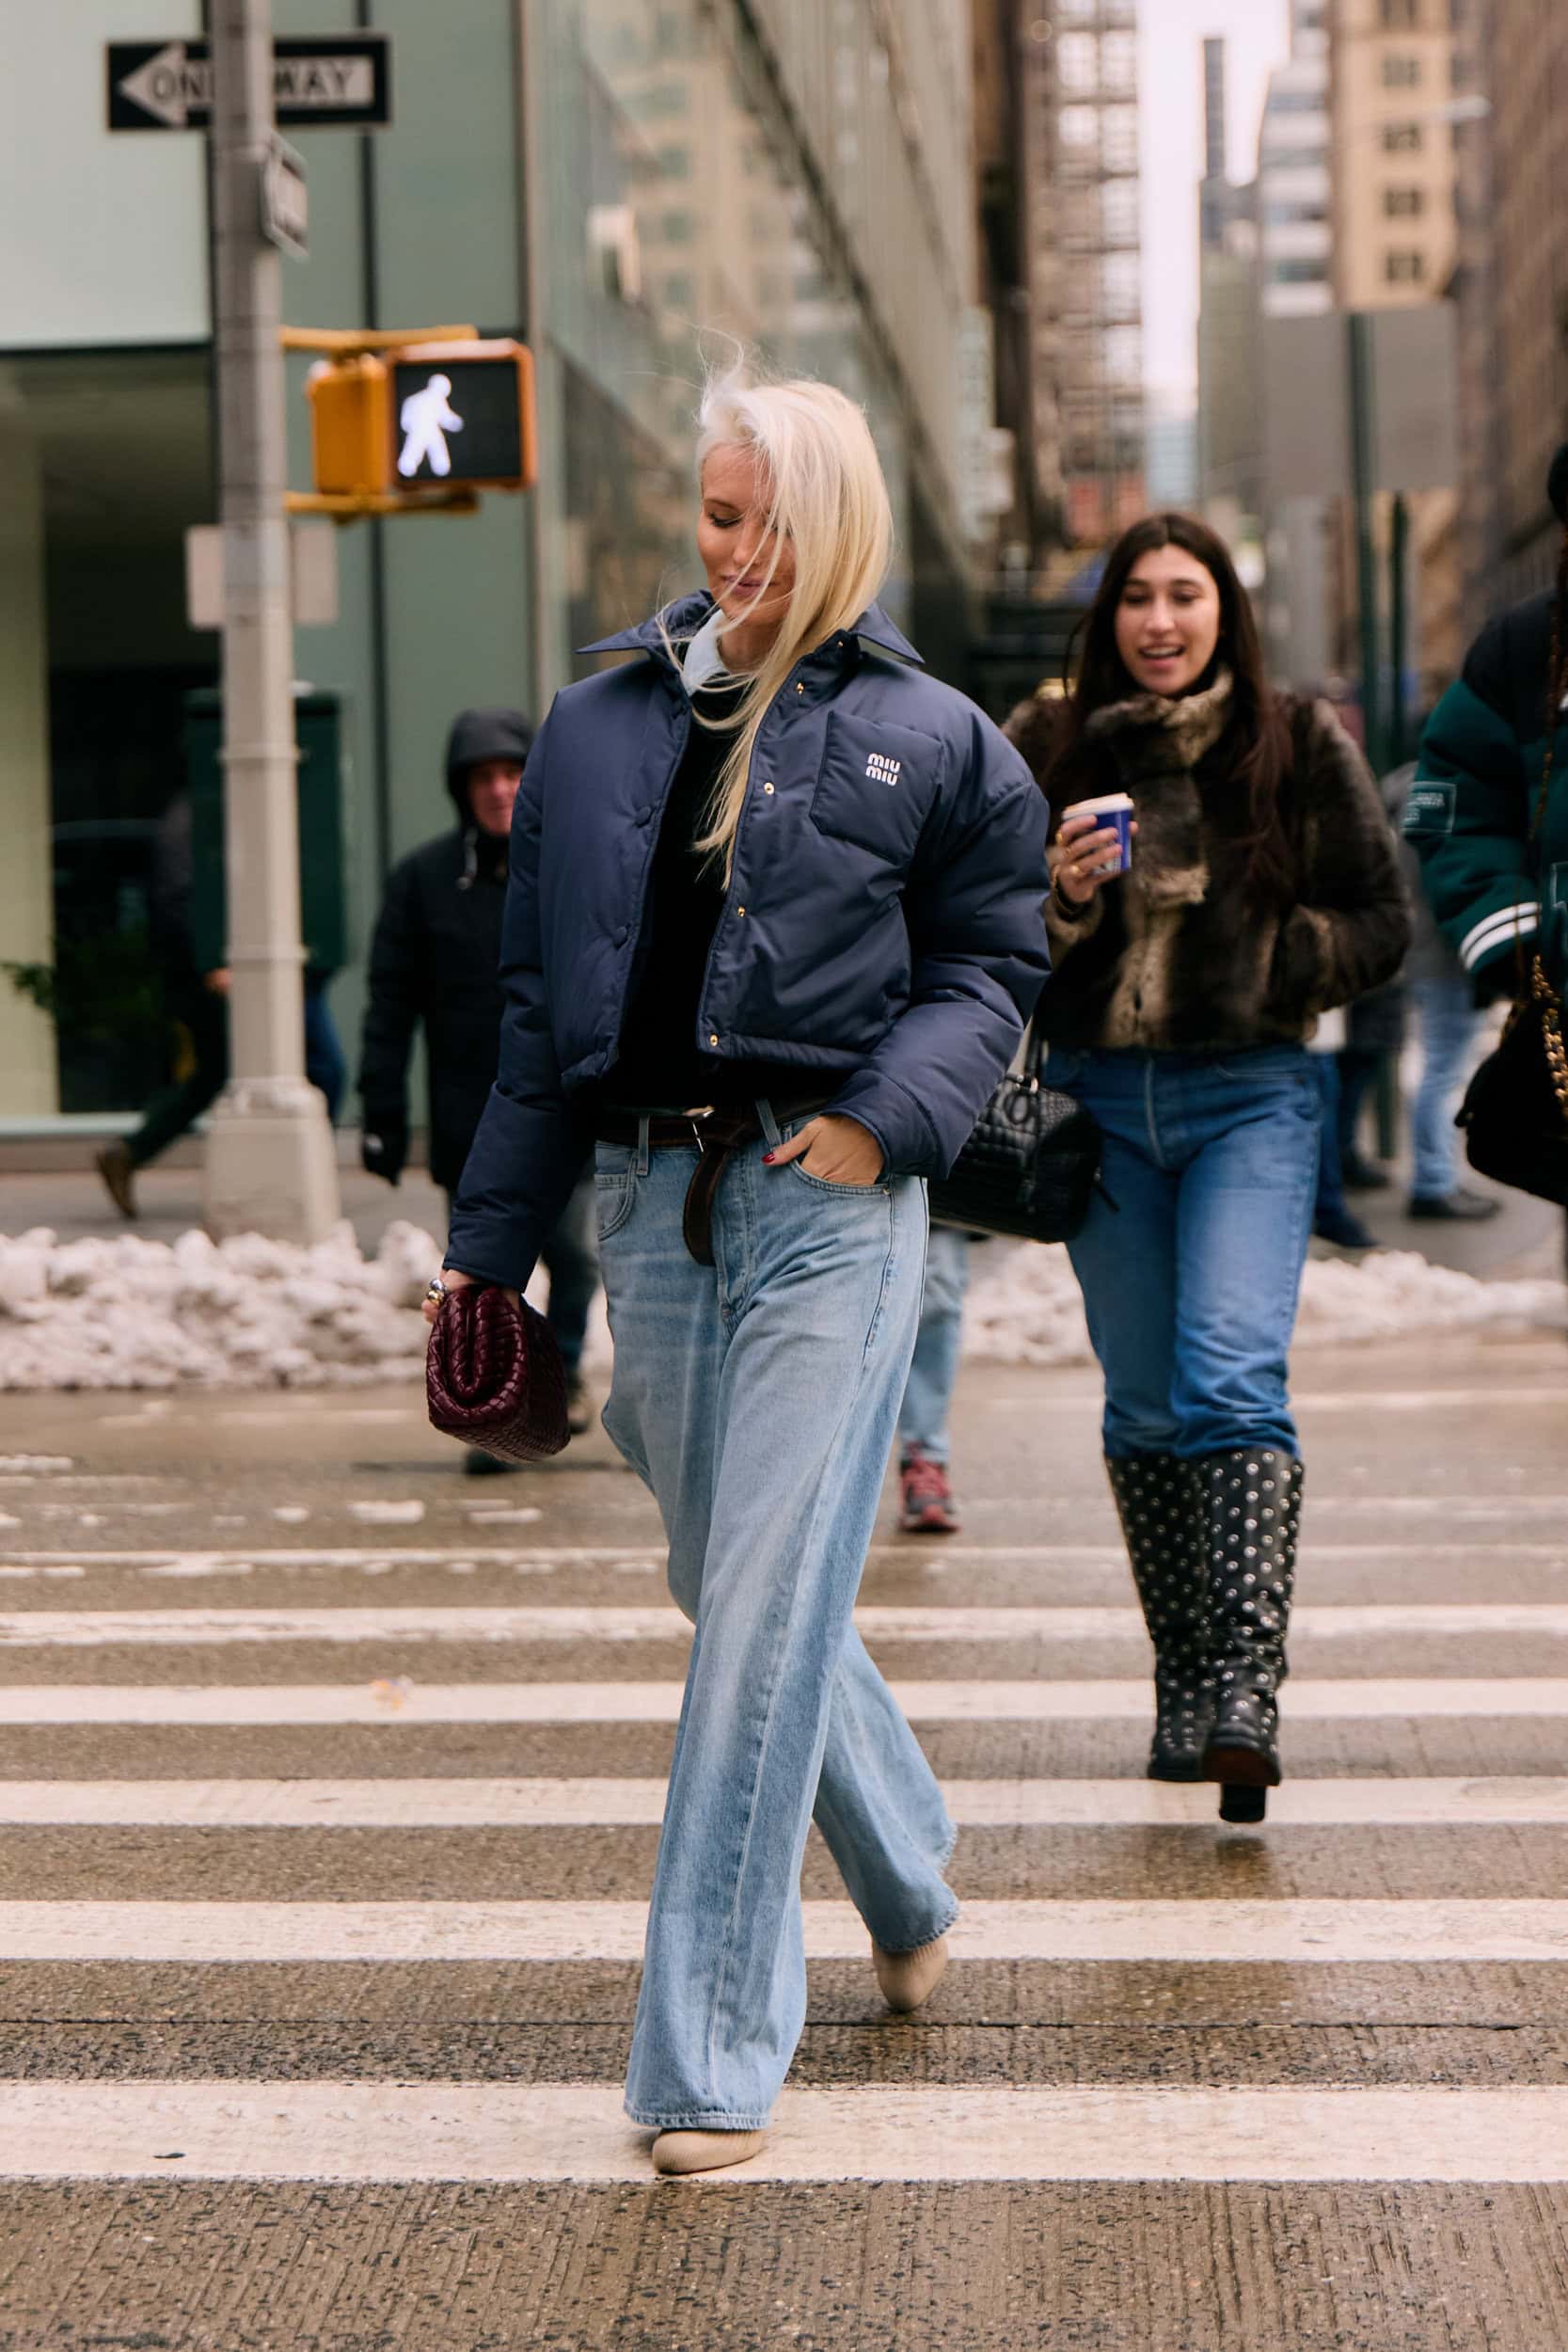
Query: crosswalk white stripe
{"x": 1287, "y": 1931}
{"x": 1306, "y": 1699}
{"x": 383, "y": 1560}
{"x": 193, "y": 1629}
{"x": 447, "y": 2131}
{"x": 604, "y": 1804}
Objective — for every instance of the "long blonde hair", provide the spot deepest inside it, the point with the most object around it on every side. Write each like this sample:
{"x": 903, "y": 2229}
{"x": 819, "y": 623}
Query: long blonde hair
{"x": 827, "y": 496}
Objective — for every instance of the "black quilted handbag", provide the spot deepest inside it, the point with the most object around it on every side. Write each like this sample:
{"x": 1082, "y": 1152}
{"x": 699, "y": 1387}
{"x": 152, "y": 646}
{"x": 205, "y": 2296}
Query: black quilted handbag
{"x": 1030, "y": 1167}
{"x": 1515, "y": 1113}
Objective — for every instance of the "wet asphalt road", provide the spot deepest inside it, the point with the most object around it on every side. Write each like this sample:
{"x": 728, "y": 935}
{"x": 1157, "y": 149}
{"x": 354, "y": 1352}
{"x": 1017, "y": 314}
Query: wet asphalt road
{"x": 196, "y": 1542}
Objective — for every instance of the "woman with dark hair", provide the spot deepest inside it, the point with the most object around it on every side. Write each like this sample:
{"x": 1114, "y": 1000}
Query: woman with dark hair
{"x": 1263, "y": 889}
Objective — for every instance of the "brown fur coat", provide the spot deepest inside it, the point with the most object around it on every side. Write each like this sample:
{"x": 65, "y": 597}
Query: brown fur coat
{"x": 1180, "y": 955}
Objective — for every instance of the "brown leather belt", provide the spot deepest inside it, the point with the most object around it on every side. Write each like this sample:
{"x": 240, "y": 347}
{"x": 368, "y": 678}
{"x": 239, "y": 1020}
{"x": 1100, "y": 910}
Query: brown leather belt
{"x": 718, "y": 1134}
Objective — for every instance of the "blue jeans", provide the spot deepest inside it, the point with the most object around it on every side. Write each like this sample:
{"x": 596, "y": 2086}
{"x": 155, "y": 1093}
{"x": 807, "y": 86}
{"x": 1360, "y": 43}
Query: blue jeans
{"x": 1447, "y": 1015}
{"x": 923, "y": 1421}
{"x": 324, "y": 1065}
{"x": 1191, "y": 1291}
{"x": 757, "y": 1397}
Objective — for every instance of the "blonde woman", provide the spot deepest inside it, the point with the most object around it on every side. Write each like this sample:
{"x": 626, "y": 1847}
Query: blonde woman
{"x": 773, "y": 929}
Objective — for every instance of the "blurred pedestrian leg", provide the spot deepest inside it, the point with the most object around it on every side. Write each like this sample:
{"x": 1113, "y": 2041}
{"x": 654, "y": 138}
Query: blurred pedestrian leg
{"x": 324, "y": 1065}
{"x": 571, "y": 1258}
{"x": 928, "y": 1505}
{"x": 1333, "y": 1219}
{"x": 1448, "y": 1017}
{"x": 201, "y": 1019}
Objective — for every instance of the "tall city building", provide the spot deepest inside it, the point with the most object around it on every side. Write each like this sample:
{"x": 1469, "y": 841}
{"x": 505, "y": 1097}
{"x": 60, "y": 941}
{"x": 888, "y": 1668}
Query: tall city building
{"x": 1295, "y": 263}
{"x": 1513, "y": 293}
{"x": 998, "y": 29}
{"x": 1392, "y": 92}
{"x": 1229, "y": 393}
{"x": 1080, "y": 62}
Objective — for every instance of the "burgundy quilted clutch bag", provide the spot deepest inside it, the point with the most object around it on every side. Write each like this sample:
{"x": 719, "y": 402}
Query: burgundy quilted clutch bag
{"x": 494, "y": 1376}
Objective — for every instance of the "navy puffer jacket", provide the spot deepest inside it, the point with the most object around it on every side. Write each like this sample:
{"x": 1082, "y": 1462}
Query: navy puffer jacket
{"x": 885, "y": 917}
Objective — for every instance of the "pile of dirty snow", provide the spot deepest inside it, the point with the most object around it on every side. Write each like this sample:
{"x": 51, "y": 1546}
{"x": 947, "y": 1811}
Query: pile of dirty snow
{"x": 126, "y": 1314}
{"x": 1025, "y": 1306}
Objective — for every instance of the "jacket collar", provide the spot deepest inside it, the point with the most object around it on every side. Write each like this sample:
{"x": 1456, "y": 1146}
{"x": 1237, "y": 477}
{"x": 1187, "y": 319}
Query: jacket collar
{"x": 688, "y": 614}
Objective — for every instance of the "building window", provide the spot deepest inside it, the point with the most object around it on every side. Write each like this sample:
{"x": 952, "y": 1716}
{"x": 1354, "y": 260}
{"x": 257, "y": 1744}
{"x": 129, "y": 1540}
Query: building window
{"x": 1403, "y": 204}
{"x": 1119, "y": 61}
{"x": 1297, "y": 273}
{"x": 1296, "y": 102}
{"x": 1404, "y": 266}
{"x": 1402, "y": 139}
{"x": 1290, "y": 211}
{"x": 1120, "y": 281}
{"x": 1400, "y": 16}
{"x": 1402, "y": 72}
{"x": 1078, "y": 61}
{"x": 1124, "y": 355}
{"x": 1296, "y": 159}
{"x": 1120, "y": 201}
{"x": 1078, "y": 127}
{"x": 1119, "y": 138}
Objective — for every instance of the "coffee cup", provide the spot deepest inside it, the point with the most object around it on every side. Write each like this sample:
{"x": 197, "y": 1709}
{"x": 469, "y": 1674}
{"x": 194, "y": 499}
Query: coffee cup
{"x": 1112, "y": 813}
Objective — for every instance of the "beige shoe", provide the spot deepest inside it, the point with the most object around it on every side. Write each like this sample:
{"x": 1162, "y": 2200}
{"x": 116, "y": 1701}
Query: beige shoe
{"x": 705, "y": 2152}
{"x": 908, "y": 1979}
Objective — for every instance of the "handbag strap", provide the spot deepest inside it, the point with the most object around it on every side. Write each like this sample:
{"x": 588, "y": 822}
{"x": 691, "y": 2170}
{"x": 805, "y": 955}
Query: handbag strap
{"x": 1533, "y": 973}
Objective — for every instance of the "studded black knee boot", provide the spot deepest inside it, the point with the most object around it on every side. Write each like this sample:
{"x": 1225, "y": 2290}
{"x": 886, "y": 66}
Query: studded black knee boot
{"x": 1252, "y": 1518}
{"x": 1159, "y": 1503}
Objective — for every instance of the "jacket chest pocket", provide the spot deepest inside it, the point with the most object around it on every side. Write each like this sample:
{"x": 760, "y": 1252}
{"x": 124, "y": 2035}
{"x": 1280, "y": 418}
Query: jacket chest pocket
{"x": 875, "y": 787}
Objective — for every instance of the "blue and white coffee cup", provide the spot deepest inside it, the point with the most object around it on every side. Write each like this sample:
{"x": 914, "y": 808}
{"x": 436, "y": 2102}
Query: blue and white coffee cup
{"x": 1112, "y": 813}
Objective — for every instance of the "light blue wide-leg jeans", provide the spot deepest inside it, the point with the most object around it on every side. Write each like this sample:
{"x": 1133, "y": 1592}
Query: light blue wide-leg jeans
{"x": 758, "y": 1398}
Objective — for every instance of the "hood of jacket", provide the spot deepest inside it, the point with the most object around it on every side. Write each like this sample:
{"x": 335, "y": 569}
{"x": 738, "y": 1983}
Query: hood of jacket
{"x": 478, "y": 735}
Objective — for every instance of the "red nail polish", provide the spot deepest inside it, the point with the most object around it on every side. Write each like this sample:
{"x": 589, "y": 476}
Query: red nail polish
{"x": 767, "y": 1159}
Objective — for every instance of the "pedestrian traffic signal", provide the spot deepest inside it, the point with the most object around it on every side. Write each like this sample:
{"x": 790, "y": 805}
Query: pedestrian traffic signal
{"x": 398, "y": 423}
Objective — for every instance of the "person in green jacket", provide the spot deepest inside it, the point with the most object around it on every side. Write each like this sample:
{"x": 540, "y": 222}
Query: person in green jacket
{"x": 1496, "y": 884}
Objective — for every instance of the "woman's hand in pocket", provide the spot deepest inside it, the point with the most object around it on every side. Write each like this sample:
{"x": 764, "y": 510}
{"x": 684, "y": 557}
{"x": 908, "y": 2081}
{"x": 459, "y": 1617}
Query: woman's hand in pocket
{"x": 839, "y": 1150}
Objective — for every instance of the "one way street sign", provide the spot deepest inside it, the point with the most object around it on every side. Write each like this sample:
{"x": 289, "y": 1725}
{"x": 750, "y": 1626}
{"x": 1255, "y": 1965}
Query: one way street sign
{"x": 335, "y": 82}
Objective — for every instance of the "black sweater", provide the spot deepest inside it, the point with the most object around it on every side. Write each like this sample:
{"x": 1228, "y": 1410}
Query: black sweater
{"x": 657, "y": 1063}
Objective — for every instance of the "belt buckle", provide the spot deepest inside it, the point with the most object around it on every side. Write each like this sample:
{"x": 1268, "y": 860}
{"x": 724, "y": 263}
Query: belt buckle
{"x": 694, "y": 1118}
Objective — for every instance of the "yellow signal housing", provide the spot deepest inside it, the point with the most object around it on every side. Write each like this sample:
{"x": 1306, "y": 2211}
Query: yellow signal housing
{"x": 351, "y": 426}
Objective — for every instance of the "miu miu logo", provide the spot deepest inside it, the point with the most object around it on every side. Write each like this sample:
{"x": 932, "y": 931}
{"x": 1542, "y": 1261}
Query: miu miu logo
{"x": 882, "y": 770}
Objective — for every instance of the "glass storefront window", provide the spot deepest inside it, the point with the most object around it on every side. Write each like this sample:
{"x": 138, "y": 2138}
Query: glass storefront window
{"x": 719, "y": 246}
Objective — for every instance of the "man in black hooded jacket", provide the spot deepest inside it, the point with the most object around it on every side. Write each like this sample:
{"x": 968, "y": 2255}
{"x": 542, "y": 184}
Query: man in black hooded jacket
{"x": 435, "y": 959}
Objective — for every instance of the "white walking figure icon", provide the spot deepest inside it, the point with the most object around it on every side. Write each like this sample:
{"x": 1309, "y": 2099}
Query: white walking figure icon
{"x": 426, "y": 419}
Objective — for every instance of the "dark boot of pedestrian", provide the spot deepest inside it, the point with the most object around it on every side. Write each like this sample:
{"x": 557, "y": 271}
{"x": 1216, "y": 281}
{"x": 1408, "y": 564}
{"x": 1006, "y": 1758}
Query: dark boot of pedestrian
{"x": 118, "y": 1171}
{"x": 1159, "y": 1503}
{"x": 1251, "y": 1525}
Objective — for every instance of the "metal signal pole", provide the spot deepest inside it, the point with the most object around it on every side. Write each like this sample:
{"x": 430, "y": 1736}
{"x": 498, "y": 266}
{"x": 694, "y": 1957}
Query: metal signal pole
{"x": 270, "y": 1167}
